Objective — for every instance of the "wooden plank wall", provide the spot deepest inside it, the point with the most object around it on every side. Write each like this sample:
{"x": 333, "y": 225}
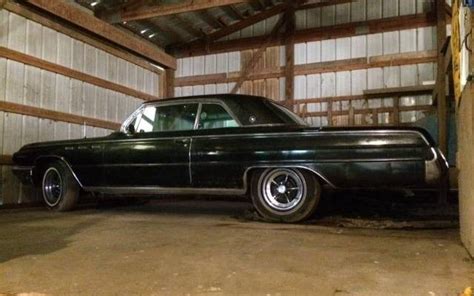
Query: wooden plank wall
{"x": 336, "y": 84}
{"x": 35, "y": 89}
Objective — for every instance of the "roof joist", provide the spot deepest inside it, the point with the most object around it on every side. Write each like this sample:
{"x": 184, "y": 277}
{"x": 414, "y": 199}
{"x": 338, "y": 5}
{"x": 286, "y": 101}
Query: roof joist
{"x": 313, "y": 34}
{"x": 82, "y": 19}
{"x": 145, "y": 12}
{"x": 256, "y": 18}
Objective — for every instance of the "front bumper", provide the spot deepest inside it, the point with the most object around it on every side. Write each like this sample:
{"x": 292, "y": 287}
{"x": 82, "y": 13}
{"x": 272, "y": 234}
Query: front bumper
{"x": 24, "y": 174}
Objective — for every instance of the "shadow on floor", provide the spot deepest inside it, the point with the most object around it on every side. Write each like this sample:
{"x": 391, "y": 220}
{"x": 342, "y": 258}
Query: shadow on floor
{"x": 38, "y": 232}
{"x": 342, "y": 209}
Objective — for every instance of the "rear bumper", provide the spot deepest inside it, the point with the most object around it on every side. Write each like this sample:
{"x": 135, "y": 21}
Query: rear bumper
{"x": 24, "y": 174}
{"x": 436, "y": 168}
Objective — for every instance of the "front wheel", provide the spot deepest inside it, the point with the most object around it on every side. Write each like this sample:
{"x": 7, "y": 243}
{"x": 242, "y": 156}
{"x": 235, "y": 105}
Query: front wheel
{"x": 285, "y": 194}
{"x": 60, "y": 189}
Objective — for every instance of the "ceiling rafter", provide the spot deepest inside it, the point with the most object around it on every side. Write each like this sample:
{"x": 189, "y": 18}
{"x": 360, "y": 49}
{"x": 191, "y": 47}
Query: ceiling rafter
{"x": 210, "y": 20}
{"x": 313, "y": 34}
{"x": 188, "y": 27}
{"x": 62, "y": 9}
{"x": 251, "y": 20}
{"x": 145, "y": 12}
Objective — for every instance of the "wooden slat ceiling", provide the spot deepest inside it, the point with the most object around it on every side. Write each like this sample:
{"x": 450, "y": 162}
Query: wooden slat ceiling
{"x": 173, "y": 23}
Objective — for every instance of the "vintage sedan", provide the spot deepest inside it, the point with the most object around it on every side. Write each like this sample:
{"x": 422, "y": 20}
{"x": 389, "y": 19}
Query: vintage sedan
{"x": 231, "y": 145}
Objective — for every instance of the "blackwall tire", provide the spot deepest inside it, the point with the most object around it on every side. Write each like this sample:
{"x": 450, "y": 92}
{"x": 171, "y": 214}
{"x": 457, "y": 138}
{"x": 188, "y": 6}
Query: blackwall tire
{"x": 285, "y": 195}
{"x": 59, "y": 189}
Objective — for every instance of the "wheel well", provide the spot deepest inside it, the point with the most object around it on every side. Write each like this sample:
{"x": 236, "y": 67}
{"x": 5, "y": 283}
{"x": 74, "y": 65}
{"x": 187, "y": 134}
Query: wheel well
{"x": 252, "y": 171}
{"x": 41, "y": 165}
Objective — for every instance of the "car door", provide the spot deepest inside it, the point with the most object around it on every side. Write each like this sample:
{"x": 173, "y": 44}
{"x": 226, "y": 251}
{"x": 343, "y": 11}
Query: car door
{"x": 156, "y": 154}
{"x": 215, "y": 159}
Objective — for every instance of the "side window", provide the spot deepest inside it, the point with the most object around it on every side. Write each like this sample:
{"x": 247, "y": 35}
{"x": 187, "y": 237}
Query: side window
{"x": 166, "y": 118}
{"x": 215, "y": 116}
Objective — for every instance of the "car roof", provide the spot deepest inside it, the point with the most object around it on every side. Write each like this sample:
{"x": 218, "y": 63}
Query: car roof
{"x": 223, "y": 96}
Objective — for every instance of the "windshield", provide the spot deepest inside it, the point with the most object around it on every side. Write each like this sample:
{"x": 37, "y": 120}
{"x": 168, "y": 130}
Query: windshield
{"x": 286, "y": 114}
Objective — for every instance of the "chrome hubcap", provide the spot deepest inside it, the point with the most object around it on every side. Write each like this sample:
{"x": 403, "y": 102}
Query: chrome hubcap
{"x": 283, "y": 189}
{"x": 52, "y": 187}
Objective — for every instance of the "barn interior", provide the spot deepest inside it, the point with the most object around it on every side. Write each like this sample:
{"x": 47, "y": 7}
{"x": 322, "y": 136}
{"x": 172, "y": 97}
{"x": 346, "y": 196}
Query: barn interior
{"x": 72, "y": 69}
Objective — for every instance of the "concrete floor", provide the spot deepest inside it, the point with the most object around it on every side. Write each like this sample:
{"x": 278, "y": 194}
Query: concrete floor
{"x": 191, "y": 247}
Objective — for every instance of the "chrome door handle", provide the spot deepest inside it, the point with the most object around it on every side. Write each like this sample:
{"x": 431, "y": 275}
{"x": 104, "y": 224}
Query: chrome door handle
{"x": 183, "y": 142}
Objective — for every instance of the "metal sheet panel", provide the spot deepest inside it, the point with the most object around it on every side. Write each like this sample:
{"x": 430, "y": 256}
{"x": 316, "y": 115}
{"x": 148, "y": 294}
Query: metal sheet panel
{"x": 374, "y": 9}
{"x": 343, "y": 13}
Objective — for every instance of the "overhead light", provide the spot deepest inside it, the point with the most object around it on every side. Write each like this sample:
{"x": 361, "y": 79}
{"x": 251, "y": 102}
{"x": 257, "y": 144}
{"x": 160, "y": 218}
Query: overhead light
{"x": 158, "y": 67}
{"x": 94, "y": 3}
{"x": 143, "y": 31}
{"x": 124, "y": 23}
{"x": 152, "y": 35}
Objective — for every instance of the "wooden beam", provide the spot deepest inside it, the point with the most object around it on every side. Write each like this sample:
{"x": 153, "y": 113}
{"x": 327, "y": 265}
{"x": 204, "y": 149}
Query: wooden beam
{"x": 232, "y": 10}
{"x": 170, "y": 9}
{"x": 313, "y": 34}
{"x": 367, "y": 111}
{"x": 6, "y": 160}
{"x": 324, "y": 3}
{"x": 246, "y": 22}
{"x": 75, "y": 34}
{"x": 290, "y": 51}
{"x": 210, "y": 20}
{"x": 56, "y": 116}
{"x": 442, "y": 102}
{"x": 399, "y": 91}
{"x": 441, "y": 98}
{"x": 408, "y": 58}
{"x": 189, "y": 27}
{"x": 170, "y": 79}
{"x": 265, "y": 14}
{"x": 166, "y": 29}
{"x": 62, "y": 9}
{"x": 58, "y": 69}
{"x": 256, "y": 56}
{"x": 336, "y": 99}
{"x": 277, "y": 9}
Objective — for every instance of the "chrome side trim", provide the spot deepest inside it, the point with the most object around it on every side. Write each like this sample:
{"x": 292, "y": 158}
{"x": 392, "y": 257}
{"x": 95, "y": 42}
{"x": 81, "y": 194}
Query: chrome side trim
{"x": 133, "y": 165}
{"x": 65, "y": 162}
{"x": 193, "y": 190}
{"x": 261, "y": 162}
{"x": 22, "y": 168}
{"x": 165, "y": 190}
{"x": 253, "y": 135}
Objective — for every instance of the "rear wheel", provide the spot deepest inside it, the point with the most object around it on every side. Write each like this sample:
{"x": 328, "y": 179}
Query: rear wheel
{"x": 285, "y": 194}
{"x": 60, "y": 189}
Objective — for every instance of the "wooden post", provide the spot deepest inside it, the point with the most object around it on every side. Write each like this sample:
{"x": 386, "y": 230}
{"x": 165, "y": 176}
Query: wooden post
{"x": 244, "y": 74}
{"x": 351, "y": 119}
{"x": 169, "y": 84}
{"x": 290, "y": 53}
{"x": 329, "y": 112}
{"x": 396, "y": 110}
{"x": 442, "y": 102}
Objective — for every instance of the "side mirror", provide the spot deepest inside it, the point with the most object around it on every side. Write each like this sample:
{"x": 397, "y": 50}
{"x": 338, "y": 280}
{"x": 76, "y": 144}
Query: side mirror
{"x": 131, "y": 128}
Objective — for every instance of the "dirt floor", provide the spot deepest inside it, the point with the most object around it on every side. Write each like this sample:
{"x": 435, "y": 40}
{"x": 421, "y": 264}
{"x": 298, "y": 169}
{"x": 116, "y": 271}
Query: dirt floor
{"x": 218, "y": 247}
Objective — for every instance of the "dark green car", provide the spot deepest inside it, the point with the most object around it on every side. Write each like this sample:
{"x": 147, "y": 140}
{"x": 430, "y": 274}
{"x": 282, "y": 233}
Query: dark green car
{"x": 230, "y": 144}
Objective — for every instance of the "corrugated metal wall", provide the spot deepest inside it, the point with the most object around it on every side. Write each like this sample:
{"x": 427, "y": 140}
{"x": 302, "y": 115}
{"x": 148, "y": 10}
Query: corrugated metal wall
{"x": 344, "y": 83}
{"x": 31, "y": 86}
